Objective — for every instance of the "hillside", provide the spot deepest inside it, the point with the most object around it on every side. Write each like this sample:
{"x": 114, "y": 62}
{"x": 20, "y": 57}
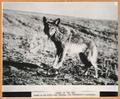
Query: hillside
{"x": 28, "y": 55}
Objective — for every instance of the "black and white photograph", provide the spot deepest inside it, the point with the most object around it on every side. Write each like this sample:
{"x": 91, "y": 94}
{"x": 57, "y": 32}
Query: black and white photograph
{"x": 60, "y": 48}
{"x": 60, "y": 43}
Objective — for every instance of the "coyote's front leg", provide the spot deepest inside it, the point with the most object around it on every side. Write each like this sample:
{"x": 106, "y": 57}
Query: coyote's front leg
{"x": 56, "y": 62}
{"x": 62, "y": 57}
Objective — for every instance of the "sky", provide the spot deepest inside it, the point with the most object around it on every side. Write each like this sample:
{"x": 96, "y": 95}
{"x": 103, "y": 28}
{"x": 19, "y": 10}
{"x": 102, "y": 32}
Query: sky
{"x": 92, "y": 10}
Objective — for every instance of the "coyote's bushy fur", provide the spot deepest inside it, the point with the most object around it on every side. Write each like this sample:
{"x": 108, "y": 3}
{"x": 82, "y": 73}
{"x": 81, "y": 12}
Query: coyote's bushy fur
{"x": 63, "y": 42}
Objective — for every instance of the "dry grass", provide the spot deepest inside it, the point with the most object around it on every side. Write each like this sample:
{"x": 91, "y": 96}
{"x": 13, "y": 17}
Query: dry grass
{"x": 25, "y": 42}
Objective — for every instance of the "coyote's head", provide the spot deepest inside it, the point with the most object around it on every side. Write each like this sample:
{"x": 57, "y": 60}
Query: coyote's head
{"x": 50, "y": 27}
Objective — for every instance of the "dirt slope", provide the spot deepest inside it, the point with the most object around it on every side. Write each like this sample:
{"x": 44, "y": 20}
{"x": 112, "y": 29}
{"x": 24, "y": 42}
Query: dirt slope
{"x": 27, "y": 60}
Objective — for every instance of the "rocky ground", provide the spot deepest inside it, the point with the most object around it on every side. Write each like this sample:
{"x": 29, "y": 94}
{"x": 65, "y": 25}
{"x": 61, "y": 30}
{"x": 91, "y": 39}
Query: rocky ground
{"x": 28, "y": 55}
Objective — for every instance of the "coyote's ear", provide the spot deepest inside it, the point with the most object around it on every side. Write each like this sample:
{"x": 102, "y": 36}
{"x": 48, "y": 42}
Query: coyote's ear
{"x": 44, "y": 19}
{"x": 57, "y": 21}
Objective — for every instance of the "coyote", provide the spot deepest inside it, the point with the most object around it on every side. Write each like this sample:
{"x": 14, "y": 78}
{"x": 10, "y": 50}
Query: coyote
{"x": 63, "y": 42}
